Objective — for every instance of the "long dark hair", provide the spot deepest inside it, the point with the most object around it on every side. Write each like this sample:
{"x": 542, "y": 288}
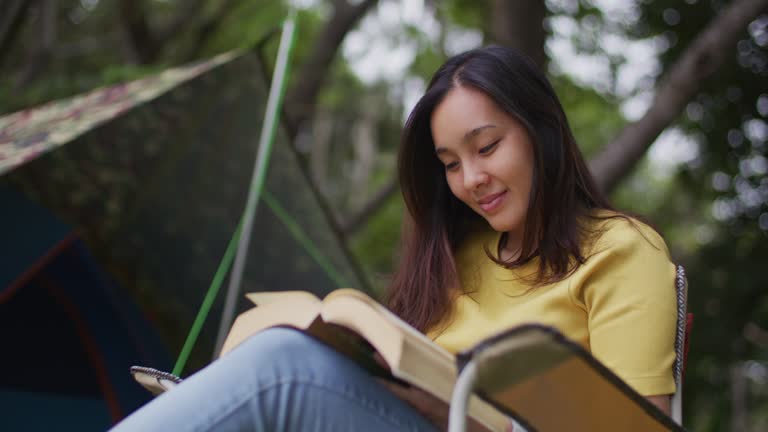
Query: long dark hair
{"x": 563, "y": 192}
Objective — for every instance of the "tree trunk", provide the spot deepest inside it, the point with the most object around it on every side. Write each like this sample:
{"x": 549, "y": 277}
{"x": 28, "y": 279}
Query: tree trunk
{"x": 144, "y": 46}
{"x": 520, "y": 24}
{"x": 87, "y": 46}
{"x": 677, "y": 88}
{"x": 322, "y": 136}
{"x": 207, "y": 29}
{"x": 739, "y": 388}
{"x": 147, "y": 44}
{"x": 364, "y": 141}
{"x": 300, "y": 100}
{"x": 42, "y": 53}
{"x": 354, "y": 222}
{"x": 14, "y": 15}
{"x": 188, "y": 11}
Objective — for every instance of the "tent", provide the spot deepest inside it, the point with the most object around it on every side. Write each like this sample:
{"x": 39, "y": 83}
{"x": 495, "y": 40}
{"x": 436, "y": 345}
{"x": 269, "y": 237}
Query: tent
{"x": 152, "y": 177}
{"x": 68, "y": 333}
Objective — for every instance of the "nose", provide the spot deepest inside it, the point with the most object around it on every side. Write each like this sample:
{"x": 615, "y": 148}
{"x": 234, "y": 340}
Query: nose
{"x": 474, "y": 176}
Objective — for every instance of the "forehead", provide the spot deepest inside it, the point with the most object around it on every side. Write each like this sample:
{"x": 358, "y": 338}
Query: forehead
{"x": 462, "y": 110}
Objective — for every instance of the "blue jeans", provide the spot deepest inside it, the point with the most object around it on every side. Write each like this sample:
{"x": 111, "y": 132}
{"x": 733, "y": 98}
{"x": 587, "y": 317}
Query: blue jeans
{"x": 279, "y": 380}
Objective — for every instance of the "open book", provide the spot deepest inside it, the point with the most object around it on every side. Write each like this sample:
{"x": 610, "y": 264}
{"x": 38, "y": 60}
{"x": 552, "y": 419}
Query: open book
{"x": 531, "y": 373}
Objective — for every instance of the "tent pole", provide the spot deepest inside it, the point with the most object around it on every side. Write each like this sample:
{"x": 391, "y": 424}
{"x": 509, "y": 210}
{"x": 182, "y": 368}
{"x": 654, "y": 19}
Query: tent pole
{"x": 269, "y": 127}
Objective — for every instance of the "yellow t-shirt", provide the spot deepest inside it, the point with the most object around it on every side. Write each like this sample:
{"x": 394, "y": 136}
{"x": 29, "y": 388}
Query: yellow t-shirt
{"x": 620, "y": 304}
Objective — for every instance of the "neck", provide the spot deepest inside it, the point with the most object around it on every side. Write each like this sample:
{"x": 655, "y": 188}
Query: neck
{"x": 510, "y": 246}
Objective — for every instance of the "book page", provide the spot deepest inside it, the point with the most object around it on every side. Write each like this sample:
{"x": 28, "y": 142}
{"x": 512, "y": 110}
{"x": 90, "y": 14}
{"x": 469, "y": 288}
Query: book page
{"x": 291, "y": 309}
{"x": 265, "y": 297}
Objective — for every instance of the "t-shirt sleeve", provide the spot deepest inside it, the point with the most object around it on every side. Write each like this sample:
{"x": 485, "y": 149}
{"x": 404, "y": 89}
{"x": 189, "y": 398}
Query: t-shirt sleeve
{"x": 627, "y": 289}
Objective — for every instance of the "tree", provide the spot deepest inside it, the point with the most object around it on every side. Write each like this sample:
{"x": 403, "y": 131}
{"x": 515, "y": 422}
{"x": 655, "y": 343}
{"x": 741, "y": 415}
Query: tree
{"x": 721, "y": 194}
{"x": 700, "y": 60}
{"x": 680, "y": 84}
{"x": 302, "y": 97}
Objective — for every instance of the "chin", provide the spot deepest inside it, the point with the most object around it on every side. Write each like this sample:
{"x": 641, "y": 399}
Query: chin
{"x": 500, "y": 227}
{"x": 503, "y": 225}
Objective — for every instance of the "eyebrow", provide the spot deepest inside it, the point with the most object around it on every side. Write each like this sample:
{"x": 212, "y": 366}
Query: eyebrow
{"x": 468, "y": 136}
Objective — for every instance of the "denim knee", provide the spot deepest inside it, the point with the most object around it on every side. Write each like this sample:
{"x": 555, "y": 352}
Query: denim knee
{"x": 282, "y": 352}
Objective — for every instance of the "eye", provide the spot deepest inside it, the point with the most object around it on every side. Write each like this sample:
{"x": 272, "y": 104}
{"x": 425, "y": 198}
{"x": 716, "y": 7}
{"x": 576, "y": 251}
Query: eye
{"x": 451, "y": 166}
{"x": 487, "y": 149}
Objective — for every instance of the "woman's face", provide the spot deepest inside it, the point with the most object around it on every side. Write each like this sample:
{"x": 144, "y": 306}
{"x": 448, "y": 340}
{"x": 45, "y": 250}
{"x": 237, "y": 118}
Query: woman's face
{"x": 488, "y": 157}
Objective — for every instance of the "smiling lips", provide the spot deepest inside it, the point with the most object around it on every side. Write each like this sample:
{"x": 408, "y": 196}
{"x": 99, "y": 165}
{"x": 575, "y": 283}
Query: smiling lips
{"x": 490, "y": 203}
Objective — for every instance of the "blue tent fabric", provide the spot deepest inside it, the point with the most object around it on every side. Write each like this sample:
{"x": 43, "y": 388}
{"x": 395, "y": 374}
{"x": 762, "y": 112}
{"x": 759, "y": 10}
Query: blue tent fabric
{"x": 69, "y": 333}
{"x": 21, "y": 247}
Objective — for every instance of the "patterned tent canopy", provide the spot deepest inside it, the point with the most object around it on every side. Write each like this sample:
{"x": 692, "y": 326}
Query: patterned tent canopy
{"x": 30, "y": 133}
{"x": 153, "y": 174}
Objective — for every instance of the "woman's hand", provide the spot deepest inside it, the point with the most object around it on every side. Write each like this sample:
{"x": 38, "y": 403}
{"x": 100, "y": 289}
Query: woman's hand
{"x": 663, "y": 402}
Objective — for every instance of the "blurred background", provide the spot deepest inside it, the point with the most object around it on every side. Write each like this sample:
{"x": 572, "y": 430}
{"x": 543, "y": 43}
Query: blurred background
{"x": 668, "y": 100}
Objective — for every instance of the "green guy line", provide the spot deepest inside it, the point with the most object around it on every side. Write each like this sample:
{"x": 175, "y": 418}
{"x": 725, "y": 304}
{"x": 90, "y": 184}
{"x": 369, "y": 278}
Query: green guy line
{"x": 268, "y": 130}
{"x": 210, "y": 297}
{"x": 295, "y": 229}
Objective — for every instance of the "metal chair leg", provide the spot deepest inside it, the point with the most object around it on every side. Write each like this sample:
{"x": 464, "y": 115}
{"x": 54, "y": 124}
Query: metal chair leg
{"x": 457, "y": 418}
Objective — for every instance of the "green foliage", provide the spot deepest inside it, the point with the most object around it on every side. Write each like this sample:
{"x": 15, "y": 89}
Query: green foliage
{"x": 375, "y": 244}
{"x": 344, "y": 89}
{"x": 467, "y": 13}
{"x": 725, "y": 275}
{"x": 725, "y": 255}
{"x": 426, "y": 62}
{"x": 593, "y": 118}
{"x": 245, "y": 25}
{"x": 90, "y": 34}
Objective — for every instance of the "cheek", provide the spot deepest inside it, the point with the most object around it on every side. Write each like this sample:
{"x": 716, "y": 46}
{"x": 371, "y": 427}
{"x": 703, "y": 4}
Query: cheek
{"x": 526, "y": 185}
{"x": 519, "y": 172}
{"x": 523, "y": 181}
{"x": 454, "y": 184}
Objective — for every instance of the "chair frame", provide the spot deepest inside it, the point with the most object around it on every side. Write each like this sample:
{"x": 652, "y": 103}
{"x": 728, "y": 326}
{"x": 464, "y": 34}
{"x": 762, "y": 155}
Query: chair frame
{"x": 681, "y": 342}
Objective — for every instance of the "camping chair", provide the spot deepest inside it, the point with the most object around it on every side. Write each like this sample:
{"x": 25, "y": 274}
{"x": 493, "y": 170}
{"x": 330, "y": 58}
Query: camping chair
{"x": 472, "y": 377}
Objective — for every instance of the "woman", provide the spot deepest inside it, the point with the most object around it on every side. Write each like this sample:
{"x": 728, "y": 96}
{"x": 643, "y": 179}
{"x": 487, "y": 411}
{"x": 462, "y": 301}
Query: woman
{"x": 506, "y": 226}
{"x": 507, "y": 217}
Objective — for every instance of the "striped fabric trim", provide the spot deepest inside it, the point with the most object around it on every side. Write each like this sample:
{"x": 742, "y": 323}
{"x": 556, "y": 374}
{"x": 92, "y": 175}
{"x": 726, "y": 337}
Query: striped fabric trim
{"x": 681, "y": 291}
